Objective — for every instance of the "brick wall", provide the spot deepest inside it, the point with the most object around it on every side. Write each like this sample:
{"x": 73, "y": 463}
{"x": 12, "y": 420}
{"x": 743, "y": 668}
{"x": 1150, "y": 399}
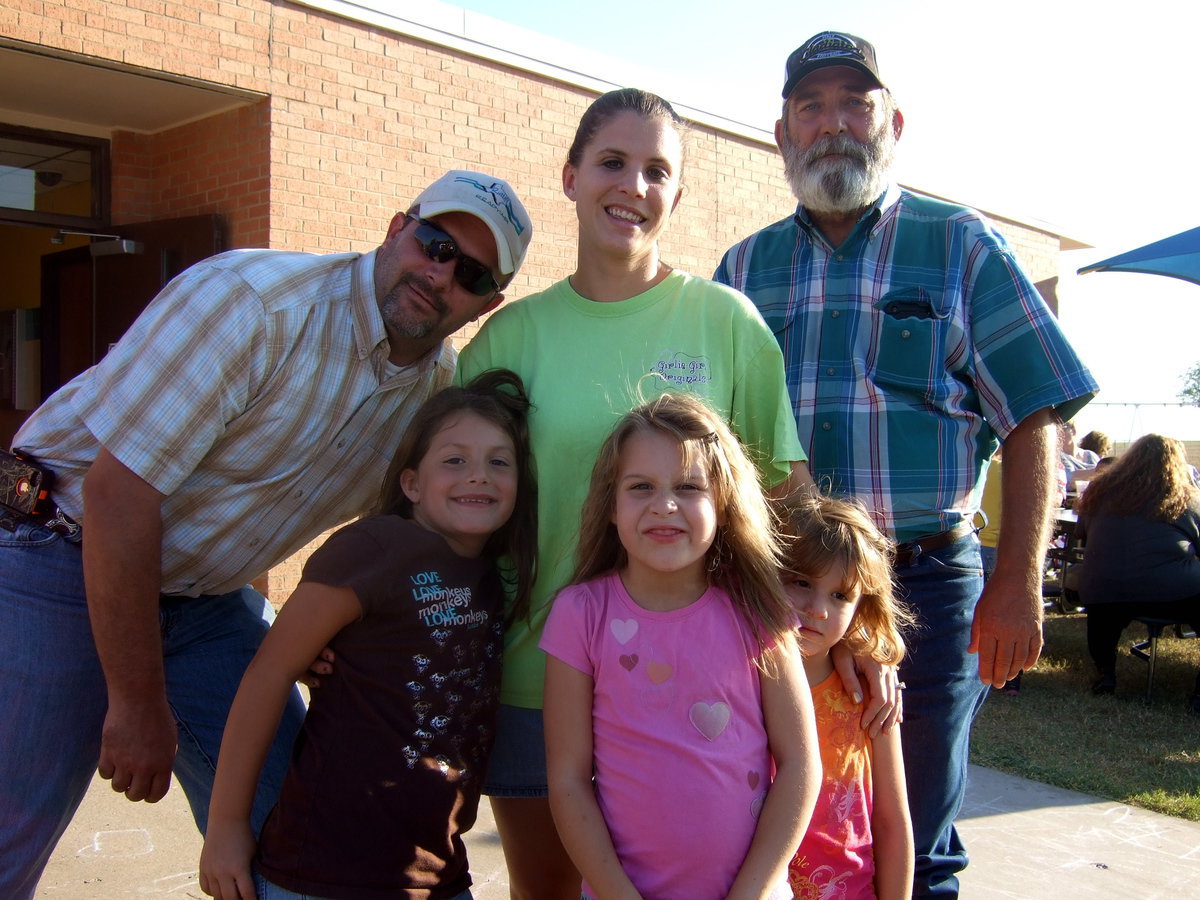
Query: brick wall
{"x": 220, "y": 164}
{"x": 356, "y": 120}
{"x": 359, "y": 119}
{"x": 1037, "y": 250}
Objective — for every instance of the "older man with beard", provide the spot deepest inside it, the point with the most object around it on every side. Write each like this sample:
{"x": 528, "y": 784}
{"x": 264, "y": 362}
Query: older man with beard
{"x": 914, "y": 346}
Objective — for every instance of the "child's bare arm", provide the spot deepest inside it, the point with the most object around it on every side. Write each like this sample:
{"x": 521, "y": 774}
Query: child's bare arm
{"x": 568, "y": 718}
{"x": 891, "y": 826}
{"x": 792, "y": 734}
{"x": 310, "y": 618}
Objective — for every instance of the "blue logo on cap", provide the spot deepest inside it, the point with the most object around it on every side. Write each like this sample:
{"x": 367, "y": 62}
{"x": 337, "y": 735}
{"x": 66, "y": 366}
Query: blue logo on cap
{"x": 829, "y": 44}
{"x": 499, "y": 198}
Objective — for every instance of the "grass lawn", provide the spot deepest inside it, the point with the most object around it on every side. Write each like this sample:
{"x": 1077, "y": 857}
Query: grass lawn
{"x": 1054, "y": 731}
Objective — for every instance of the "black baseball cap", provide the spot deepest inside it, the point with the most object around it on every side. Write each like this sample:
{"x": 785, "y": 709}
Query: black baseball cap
{"x": 831, "y": 48}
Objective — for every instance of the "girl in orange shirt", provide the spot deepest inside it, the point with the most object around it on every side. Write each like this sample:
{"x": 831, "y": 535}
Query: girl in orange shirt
{"x": 859, "y": 842}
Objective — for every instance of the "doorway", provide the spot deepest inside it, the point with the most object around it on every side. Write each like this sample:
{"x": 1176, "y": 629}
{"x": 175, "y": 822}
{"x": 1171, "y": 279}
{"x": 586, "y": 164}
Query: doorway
{"x": 89, "y": 296}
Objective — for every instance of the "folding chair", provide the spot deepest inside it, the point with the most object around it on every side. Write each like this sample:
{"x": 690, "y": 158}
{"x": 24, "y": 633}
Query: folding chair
{"x": 1148, "y": 649}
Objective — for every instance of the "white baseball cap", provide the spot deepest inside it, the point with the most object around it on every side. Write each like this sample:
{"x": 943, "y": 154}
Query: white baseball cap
{"x": 487, "y": 198}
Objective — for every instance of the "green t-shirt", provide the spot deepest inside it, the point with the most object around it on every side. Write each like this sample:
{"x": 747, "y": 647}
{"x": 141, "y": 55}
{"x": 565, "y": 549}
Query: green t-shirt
{"x": 583, "y": 364}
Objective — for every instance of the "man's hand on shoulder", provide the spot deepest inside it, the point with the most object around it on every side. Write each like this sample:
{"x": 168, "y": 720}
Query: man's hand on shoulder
{"x": 884, "y": 702}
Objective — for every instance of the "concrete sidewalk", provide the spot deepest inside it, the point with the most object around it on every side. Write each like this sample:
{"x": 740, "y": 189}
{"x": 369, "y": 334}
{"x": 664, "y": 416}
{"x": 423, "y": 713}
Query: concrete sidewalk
{"x": 1026, "y": 840}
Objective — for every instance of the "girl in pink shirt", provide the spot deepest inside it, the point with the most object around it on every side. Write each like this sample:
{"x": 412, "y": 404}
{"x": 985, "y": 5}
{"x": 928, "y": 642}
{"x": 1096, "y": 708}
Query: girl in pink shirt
{"x": 838, "y": 576}
{"x": 673, "y": 675}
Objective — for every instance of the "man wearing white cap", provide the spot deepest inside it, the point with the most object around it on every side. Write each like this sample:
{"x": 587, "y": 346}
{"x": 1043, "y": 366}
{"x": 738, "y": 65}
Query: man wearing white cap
{"x": 913, "y": 345}
{"x": 255, "y": 403}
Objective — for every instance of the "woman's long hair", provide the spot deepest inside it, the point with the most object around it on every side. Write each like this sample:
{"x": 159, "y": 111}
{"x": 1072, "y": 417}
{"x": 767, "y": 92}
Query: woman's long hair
{"x": 744, "y": 559}
{"x": 497, "y": 396}
{"x": 1150, "y": 480}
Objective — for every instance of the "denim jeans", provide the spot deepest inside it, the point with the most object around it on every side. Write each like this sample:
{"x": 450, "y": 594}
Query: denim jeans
{"x": 943, "y": 694}
{"x": 269, "y": 891}
{"x": 53, "y": 700}
{"x": 988, "y": 555}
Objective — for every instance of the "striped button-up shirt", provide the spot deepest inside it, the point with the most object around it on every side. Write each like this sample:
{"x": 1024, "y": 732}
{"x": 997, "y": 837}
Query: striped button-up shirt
{"x": 911, "y": 350}
{"x": 256, "y": 394}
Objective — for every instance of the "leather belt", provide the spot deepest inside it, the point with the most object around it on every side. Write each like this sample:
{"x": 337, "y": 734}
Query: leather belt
{"x": 910, "y": 551}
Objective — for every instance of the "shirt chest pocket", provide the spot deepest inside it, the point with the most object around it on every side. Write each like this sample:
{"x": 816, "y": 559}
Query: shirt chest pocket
{"x": 909, "y": 336}
{"x": 778, "y": 321}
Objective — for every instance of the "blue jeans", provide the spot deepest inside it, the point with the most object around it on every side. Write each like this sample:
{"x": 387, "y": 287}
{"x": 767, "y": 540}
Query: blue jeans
{"x": 988, "y": 555}
{"x": 53, "y": 700}
{"x": 942, "y": 697}
{"x": 266, "y": 890}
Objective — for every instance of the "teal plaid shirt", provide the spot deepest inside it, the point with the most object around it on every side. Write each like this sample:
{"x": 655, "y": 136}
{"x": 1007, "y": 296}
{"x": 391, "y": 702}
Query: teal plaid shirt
{"x": 911, "y": 351}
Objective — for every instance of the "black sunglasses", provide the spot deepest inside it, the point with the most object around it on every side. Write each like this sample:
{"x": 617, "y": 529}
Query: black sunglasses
{"x": 440, "y": 247}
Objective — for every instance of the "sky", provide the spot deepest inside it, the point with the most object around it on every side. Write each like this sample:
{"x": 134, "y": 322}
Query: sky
{"x": 1080, "y": 115}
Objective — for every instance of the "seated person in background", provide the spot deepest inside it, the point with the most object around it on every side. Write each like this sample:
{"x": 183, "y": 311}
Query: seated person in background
{"x": 1142, "y": 524}
{"x": 1075, "y": 461}
{"x": 1097, "y": 442}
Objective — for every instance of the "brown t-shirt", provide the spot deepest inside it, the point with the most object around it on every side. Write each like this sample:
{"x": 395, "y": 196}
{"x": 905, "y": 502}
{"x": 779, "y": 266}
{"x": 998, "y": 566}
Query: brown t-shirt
{"x": 387, "y": 770}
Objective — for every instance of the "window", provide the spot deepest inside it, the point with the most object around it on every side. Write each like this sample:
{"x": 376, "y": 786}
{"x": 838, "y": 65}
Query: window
{"x": 53, "y": 179}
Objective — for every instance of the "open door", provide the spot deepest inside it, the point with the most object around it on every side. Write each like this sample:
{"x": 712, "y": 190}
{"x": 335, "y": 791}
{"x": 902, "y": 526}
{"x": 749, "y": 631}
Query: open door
{"x": 90, "y": 298}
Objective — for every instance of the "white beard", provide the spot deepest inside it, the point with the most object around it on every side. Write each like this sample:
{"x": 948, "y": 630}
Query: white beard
{"x": 844, "y": 183}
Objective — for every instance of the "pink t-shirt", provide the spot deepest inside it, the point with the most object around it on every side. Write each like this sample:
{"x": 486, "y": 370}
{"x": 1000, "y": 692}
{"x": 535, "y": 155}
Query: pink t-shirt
{"x": 681, "y": 757}
{"x": 835, "y": 858}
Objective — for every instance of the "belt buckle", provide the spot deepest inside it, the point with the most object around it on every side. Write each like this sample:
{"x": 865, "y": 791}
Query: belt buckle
{"x": 63, "y": 524}
{"x": 907, "y": 553}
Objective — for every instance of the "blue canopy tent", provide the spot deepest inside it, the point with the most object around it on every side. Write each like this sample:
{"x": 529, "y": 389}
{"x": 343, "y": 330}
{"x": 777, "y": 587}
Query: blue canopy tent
{"x": 1177, "y": 256}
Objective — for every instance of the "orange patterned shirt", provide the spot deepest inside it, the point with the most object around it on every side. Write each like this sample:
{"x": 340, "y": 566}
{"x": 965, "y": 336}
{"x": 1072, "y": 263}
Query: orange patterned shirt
{"x": 835, "y": 859}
